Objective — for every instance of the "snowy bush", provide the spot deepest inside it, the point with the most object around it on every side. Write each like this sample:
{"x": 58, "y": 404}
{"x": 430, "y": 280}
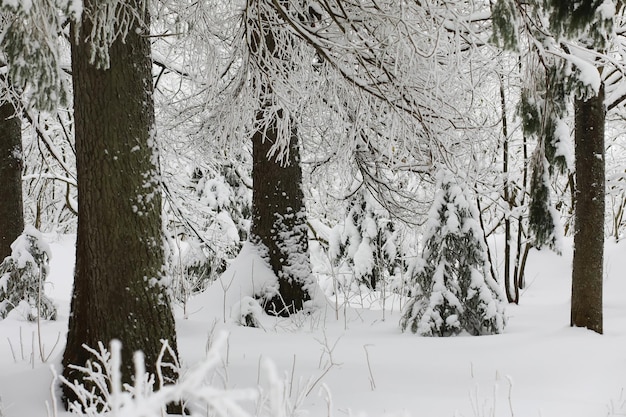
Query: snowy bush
{"x": 189, "y": 265}
{"x": 206, "y": 232}
{"x": 366, "y": 247}
{"x": 453, "y": 291}
{"x": 22, "y": 277}
{"x": 247, "y": 312}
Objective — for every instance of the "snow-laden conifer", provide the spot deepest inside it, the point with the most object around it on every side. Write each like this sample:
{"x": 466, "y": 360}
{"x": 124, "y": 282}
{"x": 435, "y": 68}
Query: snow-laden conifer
{"x": 366, "y": 247}
{"x": 453, "y": 290}
{"x": 206, "y": 230}
{"x": 22, "y": 277}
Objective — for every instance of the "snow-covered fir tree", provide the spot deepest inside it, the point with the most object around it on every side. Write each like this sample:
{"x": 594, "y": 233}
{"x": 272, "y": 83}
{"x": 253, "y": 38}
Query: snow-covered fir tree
{"x": 22, "y": 277}
{"x": 366, "y": 248}
{"x": 228, "y": 199}
{"x": 208, "y": 230}
{"x": 453, "y": 290}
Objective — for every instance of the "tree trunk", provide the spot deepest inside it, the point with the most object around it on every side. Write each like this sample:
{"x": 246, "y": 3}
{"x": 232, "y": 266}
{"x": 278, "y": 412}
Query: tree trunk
{"x": 118, "y": 288}
{"x": 11, "y": 209}
{"x": 278, "y": 210}
{"x": 279, "y": 220}
{"x": 508, "y": 200}
{"x": 520, "y": 260}
{"x": 587, "y": 274}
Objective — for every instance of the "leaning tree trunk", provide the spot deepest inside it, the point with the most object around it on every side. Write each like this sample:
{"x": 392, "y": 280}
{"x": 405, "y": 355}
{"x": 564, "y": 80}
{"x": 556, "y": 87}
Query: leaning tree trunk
{"x": 11, "y": 208}
{"x": 118, "y": 289}
{"x": 587, "y": 274}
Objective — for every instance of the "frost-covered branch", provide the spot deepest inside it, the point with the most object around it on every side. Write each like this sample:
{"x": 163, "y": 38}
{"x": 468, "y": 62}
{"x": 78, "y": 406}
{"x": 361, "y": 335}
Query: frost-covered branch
{"x": 104, "y": 393}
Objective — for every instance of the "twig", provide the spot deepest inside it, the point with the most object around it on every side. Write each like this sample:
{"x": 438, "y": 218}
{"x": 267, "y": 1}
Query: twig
{"x": 225, "y": 290}
{"x": 319, "y": 379}
{"x": 53, "y": 347}
{"x": 329, "y": 350}
{"x": 39, "y": 339}
{"x": 369, "y": 367}
{"x": 227, "y": 350}
{"x": 12, "y": 351}
{"x": 329, "y": 399}
{"x": 293, "y": 370}
{"x": 21, "y": 343}
{"x": 508, "y": 378}
{"x": 32, "y": 350}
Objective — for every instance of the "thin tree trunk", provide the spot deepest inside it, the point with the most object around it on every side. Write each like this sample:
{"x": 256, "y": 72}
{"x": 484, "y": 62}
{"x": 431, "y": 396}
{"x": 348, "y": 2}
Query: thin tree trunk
{"x": 11, "y": 209}
{"x": 511, "y": 298}
{"x": 520, "y": 260}
{"x": 521, "y": 265}
{"x": 118, "y": 291}
{"x": 587, "y": 274}
{"x": 492, "y": 271}
{"x": 522, "y": 268}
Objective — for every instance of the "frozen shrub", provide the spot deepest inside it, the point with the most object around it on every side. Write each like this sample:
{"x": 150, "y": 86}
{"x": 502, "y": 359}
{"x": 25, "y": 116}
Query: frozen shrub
{"x": 22, "y": 277}
{"x": 366, "y": 246}
{"x": 247, "y": 312}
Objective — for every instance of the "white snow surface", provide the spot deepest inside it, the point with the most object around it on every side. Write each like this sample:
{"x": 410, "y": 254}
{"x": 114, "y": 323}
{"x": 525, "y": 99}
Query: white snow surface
{"x": 538, "y": 367}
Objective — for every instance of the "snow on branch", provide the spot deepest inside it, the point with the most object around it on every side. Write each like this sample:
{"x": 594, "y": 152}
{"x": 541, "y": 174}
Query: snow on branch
{"x": 111, "y": 20}
{"x": 104, "y": 394}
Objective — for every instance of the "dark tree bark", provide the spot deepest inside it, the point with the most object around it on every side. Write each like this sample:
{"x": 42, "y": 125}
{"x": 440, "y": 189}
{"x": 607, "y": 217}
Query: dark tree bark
{"x": 587, "y": 274}
{"x": 118, "y": 293}
{"x": 278, "y": 209}
{"x": 279, "y": 221}
{"x": 11, "y": 209}
{"x": 509, "y": 200}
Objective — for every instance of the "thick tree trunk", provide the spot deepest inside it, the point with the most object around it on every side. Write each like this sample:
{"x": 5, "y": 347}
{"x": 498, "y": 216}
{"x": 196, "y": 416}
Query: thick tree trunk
{"x": 118, "y": 292}
{"x": 278, "y": 210}
{"x": 587, "y": 274}
{"x": 11, "y": 209}
{"x": 279, "y": 220}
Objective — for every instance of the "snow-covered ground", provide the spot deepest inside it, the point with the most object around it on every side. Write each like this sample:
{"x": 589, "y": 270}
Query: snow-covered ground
{"x": 357, "y": 362}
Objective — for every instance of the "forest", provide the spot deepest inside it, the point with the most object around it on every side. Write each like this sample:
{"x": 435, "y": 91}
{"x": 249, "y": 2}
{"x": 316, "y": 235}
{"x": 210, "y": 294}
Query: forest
{"x": 200, "y": 196}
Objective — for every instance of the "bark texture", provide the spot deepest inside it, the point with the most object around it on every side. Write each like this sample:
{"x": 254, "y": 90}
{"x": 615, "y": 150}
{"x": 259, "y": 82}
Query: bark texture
{"x": 12, "y": 208}
{"x": 279, "y": 221}
{"x": 119, "y": 255}
{"x": 587, "y": 274}
{"x": 278, "y": 209}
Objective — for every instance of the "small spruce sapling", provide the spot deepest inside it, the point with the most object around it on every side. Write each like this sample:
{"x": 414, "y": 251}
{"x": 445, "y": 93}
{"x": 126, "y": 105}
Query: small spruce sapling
{"x": 453, "y": 290}
{"x": 207, "y": 231}
{"x": 22, "y": 277}
{"x": 247, "y": 312}
{"x": 366, "y": 245}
